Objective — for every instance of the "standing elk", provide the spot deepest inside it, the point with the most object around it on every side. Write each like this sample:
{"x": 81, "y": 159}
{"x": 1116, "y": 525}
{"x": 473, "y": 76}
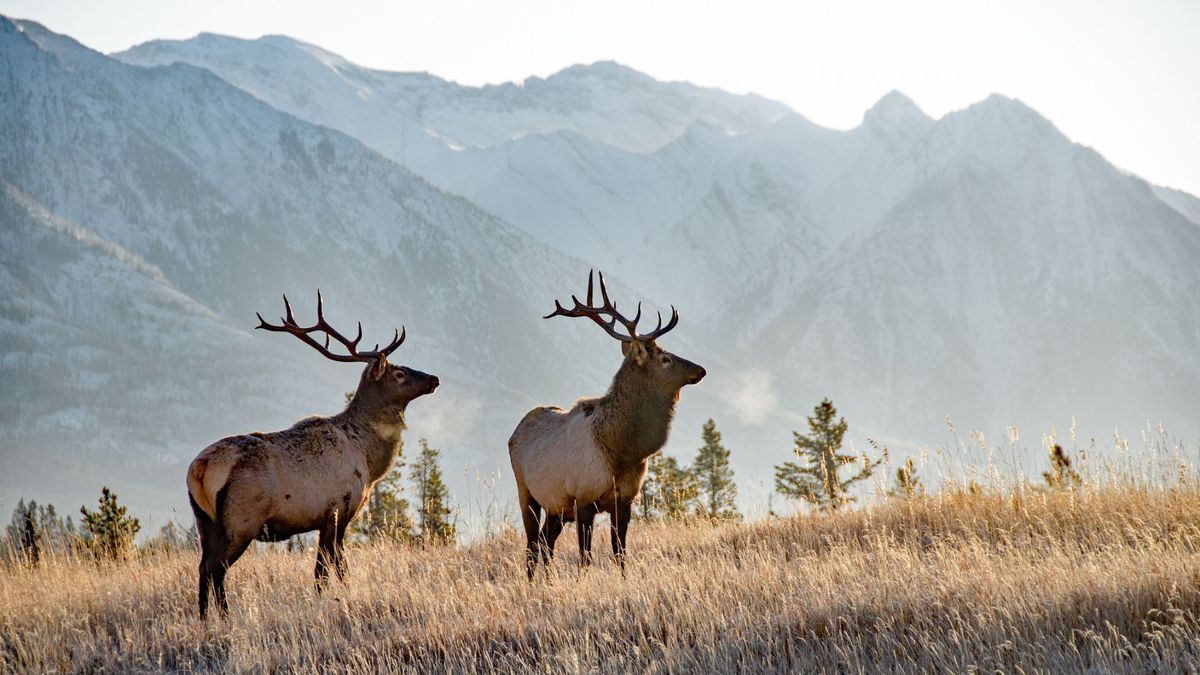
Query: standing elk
{"x": 592, "y": 458}
{"x": 314, "y": 476}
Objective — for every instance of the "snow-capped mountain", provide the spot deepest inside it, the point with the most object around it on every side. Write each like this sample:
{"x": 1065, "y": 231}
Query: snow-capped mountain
{"x": 400, "y": 112}
{"x": 651, "y": 180}
{"x": 980, "y": 266}
{"x": 564, "y": 158}
{"x": 1023, "y": 279}
{"x": 150, "y": 212}
{"x": 748, "y": 224}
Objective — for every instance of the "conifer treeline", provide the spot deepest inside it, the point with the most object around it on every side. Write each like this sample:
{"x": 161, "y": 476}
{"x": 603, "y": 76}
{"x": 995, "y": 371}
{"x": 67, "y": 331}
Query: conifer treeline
{"x": 821, "y": 476}
{"x": 109, "y": 532}
{"x": 105, "y": 534}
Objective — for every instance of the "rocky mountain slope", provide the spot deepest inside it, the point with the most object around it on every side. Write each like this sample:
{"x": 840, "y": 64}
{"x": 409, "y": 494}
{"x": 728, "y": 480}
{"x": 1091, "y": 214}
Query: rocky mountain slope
{"x": 150, "y": 212}
{"x": 1023, "y": 281}
{"x": 980, "y": 266}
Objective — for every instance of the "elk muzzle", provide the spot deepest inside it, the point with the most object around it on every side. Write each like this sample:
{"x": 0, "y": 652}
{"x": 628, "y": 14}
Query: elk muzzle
{"x": 426, "y": 383}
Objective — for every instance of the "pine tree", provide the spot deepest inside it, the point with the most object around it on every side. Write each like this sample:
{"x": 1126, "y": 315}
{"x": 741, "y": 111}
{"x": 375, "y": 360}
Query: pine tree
{"x": 57, "y": 536}
{"x": 718, "y": 493}
{"x": 668, "y": 490}
{"x": 110, "y": 531}
{"x": 433, "y": 509}
{"x": 908, "y": 483}
{"x": 25, "y": 534}
{"x": 819, "y": 481}
{"x": 172, "y": 538}
{"x": 1060, "y": 475}
{"x": 37, "y": 531}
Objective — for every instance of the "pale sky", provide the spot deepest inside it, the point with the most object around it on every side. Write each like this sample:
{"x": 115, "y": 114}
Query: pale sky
{"x": 1120, "y": 76}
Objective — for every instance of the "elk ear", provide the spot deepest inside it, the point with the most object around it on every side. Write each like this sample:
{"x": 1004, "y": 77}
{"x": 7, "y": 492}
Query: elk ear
{"x": 380, "y": 368}
{"x": 638, "y": 349}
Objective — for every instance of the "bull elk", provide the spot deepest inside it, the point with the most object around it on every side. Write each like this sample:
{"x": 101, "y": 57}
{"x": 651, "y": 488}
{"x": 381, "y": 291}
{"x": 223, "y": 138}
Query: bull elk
{"x": 315, "y": 475}
{"x": 592, "y": 458}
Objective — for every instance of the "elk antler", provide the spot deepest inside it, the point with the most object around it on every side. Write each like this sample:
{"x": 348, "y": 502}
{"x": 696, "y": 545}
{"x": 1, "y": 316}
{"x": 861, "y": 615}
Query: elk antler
{"x": 609, "y": 308}
{"x": 289, "y": 326}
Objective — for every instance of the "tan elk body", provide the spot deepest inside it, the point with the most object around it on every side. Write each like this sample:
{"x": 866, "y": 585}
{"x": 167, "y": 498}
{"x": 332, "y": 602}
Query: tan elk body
{"x": 315, "y": 475}
{"x": 561, "y": 462}
{"x": 592, "y": 458}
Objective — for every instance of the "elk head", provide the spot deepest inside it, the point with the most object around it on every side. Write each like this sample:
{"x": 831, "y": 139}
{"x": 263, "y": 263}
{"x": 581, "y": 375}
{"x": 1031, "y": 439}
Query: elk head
{"x": 382, "y": 386}
{"x": 660, "y": 369}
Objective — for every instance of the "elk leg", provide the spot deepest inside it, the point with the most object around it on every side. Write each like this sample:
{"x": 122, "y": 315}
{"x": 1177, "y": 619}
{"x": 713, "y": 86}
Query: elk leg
{"x": 585, "y": 518}
{"x": 618, "y": 528}
{"x": 216, "y": 572}
{"x": 219, "y": 566}
{"x": 207, "y": 570}
{"x": 213, "y": 545}
{"x": 553, "y": 528}
{"x": 211, "y": 540}
{"x": 340, "y": 566}
{"x": 531, "y": 518}
{"x": 213, "y": 567}
{"x": 325, "y": 555}
{"x": 206, "y": 577}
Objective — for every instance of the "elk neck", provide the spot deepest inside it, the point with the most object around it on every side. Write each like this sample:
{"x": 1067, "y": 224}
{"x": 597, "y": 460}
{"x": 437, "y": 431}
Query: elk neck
{"x": 379, "y": 427}
{"x": 633, "y": 418}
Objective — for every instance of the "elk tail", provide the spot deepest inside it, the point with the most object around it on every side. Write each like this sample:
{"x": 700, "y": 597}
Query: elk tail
{"x": 205, "y": 478}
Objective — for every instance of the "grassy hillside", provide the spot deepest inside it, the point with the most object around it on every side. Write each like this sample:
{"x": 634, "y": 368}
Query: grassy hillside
{"x": 1105, "y": 577}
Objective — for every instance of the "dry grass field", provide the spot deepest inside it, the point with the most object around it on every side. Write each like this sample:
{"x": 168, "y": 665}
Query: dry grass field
{"x": 1101, "y": 578}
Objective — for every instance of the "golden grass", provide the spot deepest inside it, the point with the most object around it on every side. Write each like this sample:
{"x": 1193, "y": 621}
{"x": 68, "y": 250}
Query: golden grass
{"x": 1098, "y": 579}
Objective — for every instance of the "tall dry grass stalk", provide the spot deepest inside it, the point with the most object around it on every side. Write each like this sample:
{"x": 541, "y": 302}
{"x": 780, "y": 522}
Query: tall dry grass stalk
{"x": 1098, "y": 579}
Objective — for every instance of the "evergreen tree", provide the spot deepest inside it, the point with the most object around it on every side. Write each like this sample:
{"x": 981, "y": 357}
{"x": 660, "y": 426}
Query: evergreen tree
{"x": 668, "y": 489}
{"x": 387, "y": 515}
{"x": 50, "y": 522}
{"x": 172, "y": 538}
{"x": 433, "y": 508}
{"x": 57, "y": 536}
{"x": 25, "y": 534}
{"x": 1061, "y": 474}
{"x": 38, "y": 530}
{"x": 908, "y": 483}
{"x": 818, "y": 481}
{"x": 110, "y": 531}
{"x": 714, "y": 476}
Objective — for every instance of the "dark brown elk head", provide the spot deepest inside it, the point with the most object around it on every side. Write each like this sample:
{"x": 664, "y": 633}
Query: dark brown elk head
{"x": 656, "y": 367}
{"x": 382, "y": 386}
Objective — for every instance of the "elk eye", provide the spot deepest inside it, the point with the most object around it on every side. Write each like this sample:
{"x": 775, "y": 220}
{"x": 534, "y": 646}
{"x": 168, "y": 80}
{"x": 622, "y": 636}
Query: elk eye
{"x": 399, "y": 374}
{"x": 666, "y": 361}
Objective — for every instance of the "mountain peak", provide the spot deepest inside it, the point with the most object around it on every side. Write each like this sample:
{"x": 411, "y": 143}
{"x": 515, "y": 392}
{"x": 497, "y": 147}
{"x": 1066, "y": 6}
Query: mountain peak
{"x": 66, "y": 49}
{"x": 896, "y": 114}
{"x": 605, "y": 70}
{"x": 999, "y": 105}
{"x": 895, "y": 101}
{"x": 998, "y": 112}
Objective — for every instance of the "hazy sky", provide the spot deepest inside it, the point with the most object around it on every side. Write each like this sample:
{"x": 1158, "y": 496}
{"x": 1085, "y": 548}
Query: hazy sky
{"x": 1123, "y": 77}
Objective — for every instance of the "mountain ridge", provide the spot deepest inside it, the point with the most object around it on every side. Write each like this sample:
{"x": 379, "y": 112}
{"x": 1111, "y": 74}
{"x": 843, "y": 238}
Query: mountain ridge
{"x": 233, "y": 201}
{"x": 980, "y": 265}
